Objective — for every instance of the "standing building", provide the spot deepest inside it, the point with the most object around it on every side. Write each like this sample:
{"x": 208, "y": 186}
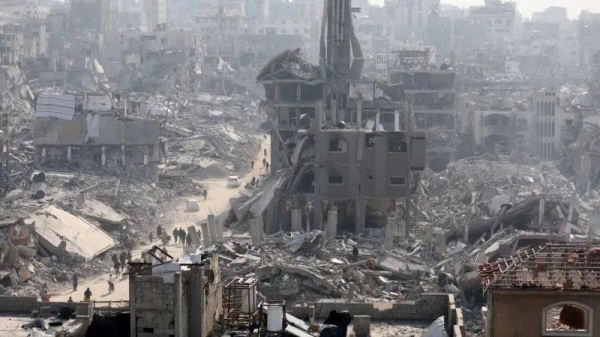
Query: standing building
{"x": 547, "y": 124}
{"x": 90, "y": 15}
{"x": 156, "y": 13}
{"x": 433, "y": 95}
{"x": 344, "y": 147}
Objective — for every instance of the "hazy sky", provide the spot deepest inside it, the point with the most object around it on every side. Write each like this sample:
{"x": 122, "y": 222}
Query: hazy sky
{"x": 526, "y": 7}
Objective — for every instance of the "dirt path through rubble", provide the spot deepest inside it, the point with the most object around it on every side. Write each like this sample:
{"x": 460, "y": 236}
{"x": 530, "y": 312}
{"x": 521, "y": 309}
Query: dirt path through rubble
{"x": 217, "y": 203}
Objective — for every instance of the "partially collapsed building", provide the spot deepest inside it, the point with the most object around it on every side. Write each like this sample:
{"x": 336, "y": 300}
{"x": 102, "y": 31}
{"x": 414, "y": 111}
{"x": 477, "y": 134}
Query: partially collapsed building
{"x": 345, "y": 145}
{"x": 71, "y": 127}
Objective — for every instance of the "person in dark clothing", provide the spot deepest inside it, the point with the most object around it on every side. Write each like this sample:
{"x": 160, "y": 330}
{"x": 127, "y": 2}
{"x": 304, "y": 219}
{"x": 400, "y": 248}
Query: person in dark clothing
{"x": 205, "y": 193}
{"x": 252, "y": 164}
{"x": 182, "y": 235}
{"x": 341, "y": 320}
{"x": 75, "y": 281}
{"x": 87, "y": 295}
{"x": 158, "y": 231}
{"x": 175, "y": 235}
{"x": 188, "y": 240}
{"x": 355, "y": 254}
{"x": 267, "y": 166}
{"x": 123, "y": 259}
{"x": 129, "y": 256}
{"x": 117, "y": 268}
{"x": 265, "y": 151}
{"x": 151, "y": 237}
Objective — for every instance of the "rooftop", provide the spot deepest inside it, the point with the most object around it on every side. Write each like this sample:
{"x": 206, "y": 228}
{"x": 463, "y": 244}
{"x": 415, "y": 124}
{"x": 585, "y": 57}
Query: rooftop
{"x": 566, "y": 266}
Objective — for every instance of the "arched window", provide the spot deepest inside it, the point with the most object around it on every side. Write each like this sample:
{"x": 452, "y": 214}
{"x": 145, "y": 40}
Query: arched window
{"x": 568, "y": 319}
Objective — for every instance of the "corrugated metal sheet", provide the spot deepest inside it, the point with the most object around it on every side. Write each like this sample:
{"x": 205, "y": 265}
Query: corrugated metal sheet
{"x": 60, "y": 106}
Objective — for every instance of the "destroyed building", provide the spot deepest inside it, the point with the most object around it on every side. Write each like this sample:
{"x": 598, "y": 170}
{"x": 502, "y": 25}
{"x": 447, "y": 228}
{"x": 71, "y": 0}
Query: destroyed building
{"x": 72, "y": 127}
{"x": 432, "y": 95}
{"x": 169, "y": 298}
{"x": 553, "y": 286}
{"x": 342, "y": 149}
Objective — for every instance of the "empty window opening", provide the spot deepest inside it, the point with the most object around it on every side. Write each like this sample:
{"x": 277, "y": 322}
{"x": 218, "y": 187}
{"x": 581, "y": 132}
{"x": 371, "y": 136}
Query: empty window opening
{"x": 569, "y": 122}
{"x": 397, "y": 181}
{"x": 396, "y": 144}
{"x": 567, "y": 319}
{"x": 370, "y": 141}
{"x": 336, "y": 179}
{"x": 338, "y": 145}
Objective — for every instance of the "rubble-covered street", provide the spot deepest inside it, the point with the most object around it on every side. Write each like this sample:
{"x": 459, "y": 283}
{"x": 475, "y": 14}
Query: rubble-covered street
{"x": 299, "y": 168}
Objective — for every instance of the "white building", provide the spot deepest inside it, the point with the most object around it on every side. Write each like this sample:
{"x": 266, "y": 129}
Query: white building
{"x": 155, "y": 12}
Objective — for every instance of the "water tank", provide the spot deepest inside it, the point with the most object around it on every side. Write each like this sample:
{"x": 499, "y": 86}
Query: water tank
{"x": 275, "y": 318}
{"x": 249, "y": 300}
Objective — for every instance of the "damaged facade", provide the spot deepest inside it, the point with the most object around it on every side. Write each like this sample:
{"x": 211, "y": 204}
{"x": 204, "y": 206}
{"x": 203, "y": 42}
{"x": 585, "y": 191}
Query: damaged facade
{"x": 71, "y": 127}
{"x": 344, "y": 144}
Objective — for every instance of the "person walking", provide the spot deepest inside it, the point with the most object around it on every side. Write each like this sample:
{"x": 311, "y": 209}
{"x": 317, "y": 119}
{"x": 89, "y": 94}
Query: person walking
{"x": 87, "y": 295}
{"x": 175, "y": 234}
{"x": 264, "y": 162}
{"x": 267, "y": 166}
{"x": 75, "y": 281}
{"x": 111, "y": 284}
{"x": 265, "y": 151}
{"x": 159, "y": 231}
{"x": 205, "y": 193}
{"x": 182, "y": 236}
{"x": 123, "y": 259}
{"x": 252, "y": 164}
{"x": 117, "y": 266}
{"x": 188, "y": 240}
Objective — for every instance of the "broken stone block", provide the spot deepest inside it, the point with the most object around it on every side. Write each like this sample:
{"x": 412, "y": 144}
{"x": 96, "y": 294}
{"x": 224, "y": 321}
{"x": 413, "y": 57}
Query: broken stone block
{"x": 362, "y": 325}
{"x": 192, "y": 205}
{"x": 24, "y": 274}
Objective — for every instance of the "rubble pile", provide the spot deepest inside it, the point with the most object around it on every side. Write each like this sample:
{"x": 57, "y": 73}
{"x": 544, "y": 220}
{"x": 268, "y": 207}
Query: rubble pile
{"x": 473, "y": 191}
{"x": 304, "y": 267}
{"x": 211, "y": 136}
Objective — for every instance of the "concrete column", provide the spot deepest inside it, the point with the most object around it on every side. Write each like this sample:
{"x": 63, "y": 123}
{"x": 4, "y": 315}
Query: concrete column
{"x": 333, "y": 111}
{"x": 178, "y": 305}
{"x": 401, "y": 232}
{"x": 255, "y": 232}
{"x": 103, "y": 155}
{"x": 195, "y": 302}
{"x": 296, "y": 220}
{"x": 466, "y": 234}
{"x": 359, "y": 104}
{"x": 146, "y": 154}
{"x": 389, "y": 232}
{"x": 261, "y": 228}
{"x": 219, "y": 227}
{"x": 318, "y": 223}
{"x": 43, "y": 154}
{"x": 132, "y": 300}
{"x": 360, "y": 213}
{"x": 69, "y": 153}
{"x": 332, "y": 222}
{"x": 205, "y": 235}
{"x": 123, "y": 155}
{"x": 212, "y": 231}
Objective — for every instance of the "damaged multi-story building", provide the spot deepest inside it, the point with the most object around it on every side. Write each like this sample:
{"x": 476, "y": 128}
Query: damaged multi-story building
{"x": 342, "y": 145}
{"x": 432, "y": 93}
{"x": 71, "y": 128}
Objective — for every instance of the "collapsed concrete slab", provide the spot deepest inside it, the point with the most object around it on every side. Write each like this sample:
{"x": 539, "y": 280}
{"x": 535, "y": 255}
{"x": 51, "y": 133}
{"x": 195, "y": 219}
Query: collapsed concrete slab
{"x": 62, "y": 233}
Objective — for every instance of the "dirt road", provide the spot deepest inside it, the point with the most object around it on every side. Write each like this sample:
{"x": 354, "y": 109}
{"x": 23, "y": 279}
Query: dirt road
{"x": 217, "y": 202}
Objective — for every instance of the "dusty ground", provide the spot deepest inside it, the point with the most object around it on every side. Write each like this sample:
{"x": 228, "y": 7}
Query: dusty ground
{"x": 11, "y": 326}
{"x": 393, "y": 329}
{"x": 216, "y": 203}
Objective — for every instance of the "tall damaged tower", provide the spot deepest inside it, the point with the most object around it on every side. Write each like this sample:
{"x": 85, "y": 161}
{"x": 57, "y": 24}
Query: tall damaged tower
{"x": 341, "y": 58}
{"x": 343, "y": 151}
